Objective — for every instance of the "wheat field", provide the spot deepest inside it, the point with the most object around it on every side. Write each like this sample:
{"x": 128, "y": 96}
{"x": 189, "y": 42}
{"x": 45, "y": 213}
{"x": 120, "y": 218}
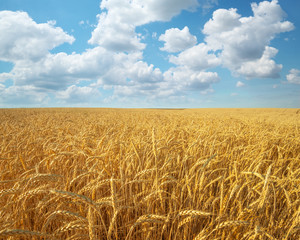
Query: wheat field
{"x": 150, "y": 174}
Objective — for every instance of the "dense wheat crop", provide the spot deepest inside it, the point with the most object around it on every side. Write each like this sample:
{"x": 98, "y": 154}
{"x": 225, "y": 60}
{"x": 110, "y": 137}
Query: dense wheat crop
{"x": 149, "y": 174}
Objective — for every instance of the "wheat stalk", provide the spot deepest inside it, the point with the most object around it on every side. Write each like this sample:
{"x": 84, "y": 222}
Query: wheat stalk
{"x": 194, "y": 213}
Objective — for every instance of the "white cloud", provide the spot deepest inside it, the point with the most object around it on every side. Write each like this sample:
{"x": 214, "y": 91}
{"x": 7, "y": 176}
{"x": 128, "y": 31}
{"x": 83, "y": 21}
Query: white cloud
{"x": 129, "y": 69}
{"x": 177, "y": 40}
{"x": 130, "y": 76}
{"x": 223, "y": 20}
{"x": 243, "y": 41}
{"x": 197, "y": 58}
{"x": 78, "y": 95}
{"x": 139, "y": 80}
{"x": 293, "y": 76}
{"x": 190, "y": 73}
{"x": 240, "y": 84}
{"x": 176, "y": 82}
{"x": 115, "y": 35}
{"x": 116, "y": 26}
{"x": 22, "y": 95}
{"x": 185, "y": 79}
{"x": 142, "y": 72}
{"x": 140, "y": 12}
{"x": 264, "y": 67}
{"x": 56, "y": 71}
{"x": 24, "y": 39}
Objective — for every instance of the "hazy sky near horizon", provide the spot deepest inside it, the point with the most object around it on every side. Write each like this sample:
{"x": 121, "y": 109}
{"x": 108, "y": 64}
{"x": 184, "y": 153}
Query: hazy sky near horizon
{"x": 149, "y": 53}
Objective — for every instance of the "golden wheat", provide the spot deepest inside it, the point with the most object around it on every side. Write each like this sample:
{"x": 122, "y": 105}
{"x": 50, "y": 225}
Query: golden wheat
{"x": 149, "y": 174}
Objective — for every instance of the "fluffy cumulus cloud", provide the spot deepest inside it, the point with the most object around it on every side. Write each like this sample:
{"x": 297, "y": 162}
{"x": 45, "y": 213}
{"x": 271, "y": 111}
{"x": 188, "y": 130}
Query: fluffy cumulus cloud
{"x": 115, "y": 35}
{"x": 78, "y": 95}
{"x": 294, "y": 76}
{"x": 176, "y": 82}
{"x": 177, "y": 40}
{"x": 130, "y": 69}
{"x": 56, "y": 71}
{"x": 185, "y": 79}
{"x": 140, "y": 80}
{"x": 117, "y": 22}
{"x": 192, "y": 63}
{"x": 197, "y": 58}
{"x": 263, "y": 67}
{"x": 142, "y": 72}
{"x": 244, "y": 41}
{"x": 140, "y": 12}
{"x": 190, "y": 73}
{"x": 24, "y": 39}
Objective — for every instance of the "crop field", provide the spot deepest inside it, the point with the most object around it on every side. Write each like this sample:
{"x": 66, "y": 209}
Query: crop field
{"x": 150, "y": 174}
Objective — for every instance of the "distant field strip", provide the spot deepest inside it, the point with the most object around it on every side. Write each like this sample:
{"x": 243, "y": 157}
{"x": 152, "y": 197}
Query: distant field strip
{"x": 150, "y": 174}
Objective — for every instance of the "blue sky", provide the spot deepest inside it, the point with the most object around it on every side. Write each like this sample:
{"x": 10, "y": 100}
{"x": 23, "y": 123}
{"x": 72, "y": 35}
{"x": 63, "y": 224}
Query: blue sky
{"x": 149, "y": 53}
